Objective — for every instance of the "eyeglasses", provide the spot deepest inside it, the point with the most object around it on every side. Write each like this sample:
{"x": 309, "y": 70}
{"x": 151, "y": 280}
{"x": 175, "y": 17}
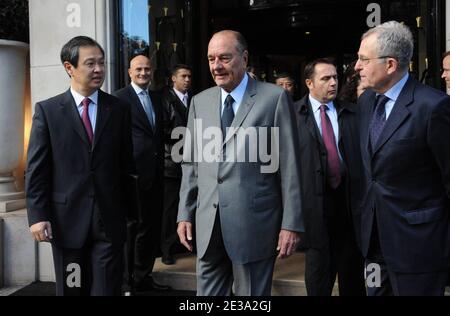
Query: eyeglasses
{"x": 365, "y": 61}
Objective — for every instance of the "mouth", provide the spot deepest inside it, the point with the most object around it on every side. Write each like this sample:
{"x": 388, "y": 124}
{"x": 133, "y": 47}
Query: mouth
{"x": 220, "y": 76}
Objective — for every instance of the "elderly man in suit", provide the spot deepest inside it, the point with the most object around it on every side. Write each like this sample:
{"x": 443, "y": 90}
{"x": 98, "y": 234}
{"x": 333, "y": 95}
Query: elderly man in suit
{"x": 146, "y": 119}
{"x": 242, "y": 212}
{"x": 406, "y": 162}
{"x": 330, "y": 178}
{"x": 78, "y": 156}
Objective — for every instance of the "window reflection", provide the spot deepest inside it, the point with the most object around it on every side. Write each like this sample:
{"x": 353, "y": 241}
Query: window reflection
{"x": 157, "y": 29}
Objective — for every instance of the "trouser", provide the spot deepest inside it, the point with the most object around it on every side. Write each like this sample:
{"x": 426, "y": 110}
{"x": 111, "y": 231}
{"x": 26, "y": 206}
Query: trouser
{"x": 383, "y": 281}
{"x": 95, "y": 269}
{"x": 169, "y": 236}
{"x": 339, "y": 256}
{"x": 148, "y": 236}
{"x": 216, "y": 273}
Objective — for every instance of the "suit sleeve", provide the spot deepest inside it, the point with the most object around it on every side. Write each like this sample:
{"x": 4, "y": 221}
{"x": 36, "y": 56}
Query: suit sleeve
{"x": 189, "y": 184}
{"x": 289, "y": 168}
{"x": 438, "y": 133}
{"x": 38, "y": 172}
{"x": 127, "y": 144}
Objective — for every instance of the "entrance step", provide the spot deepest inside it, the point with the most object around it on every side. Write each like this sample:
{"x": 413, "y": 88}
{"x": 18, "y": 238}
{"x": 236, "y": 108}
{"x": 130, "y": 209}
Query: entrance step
{"x": 288, "y": 275}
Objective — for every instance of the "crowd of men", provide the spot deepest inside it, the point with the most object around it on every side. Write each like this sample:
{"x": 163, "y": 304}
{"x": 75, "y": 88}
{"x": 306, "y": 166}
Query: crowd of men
{"x": 362, "y": 186}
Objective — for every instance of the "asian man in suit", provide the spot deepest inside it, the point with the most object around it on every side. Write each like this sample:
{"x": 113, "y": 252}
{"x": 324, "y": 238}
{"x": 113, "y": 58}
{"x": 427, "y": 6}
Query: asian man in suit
{"x": 78, "y": 158}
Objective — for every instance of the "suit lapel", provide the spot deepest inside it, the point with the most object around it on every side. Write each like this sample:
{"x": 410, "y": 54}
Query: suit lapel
{"x": 398, "y": 115}
{"x": 367, "y": 108}
{"x": 103, "y": 115}
{"x": 307, "y": 113}
{"x": 156, "y": 110}
{"x": 216, "y": 112}
{"x": 70, "y": 111}
{"x": 247, "y": 103}
{"x": 141, "y": 115}
{"x": 178, "y": 103}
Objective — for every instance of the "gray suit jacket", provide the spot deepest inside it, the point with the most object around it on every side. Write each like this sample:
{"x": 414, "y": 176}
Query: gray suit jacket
{"x": 253, "y": 206}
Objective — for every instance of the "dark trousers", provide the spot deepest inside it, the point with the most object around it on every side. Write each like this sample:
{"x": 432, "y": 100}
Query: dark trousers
{"x": 148, "y": 233}
{"x": 391, "y": 283}
{"x": 95, "y": 269}
{"x": 169, "y": 236}
{"x": 339, "y": 256}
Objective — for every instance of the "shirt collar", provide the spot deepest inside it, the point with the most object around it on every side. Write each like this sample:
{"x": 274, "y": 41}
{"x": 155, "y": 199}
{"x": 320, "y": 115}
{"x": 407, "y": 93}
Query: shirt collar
{"x": 395, "y": 91}
{"x": 316, "y": 104}
{"x": 137, "y": 89}
{"x": 238, "y": 92}
{"x": 79, "y": 98}
{"x": 180, "y": 94}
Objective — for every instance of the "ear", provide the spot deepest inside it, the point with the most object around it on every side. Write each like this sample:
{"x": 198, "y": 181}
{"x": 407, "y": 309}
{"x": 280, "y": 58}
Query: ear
{"x": 69, "y": 68}
{"x": 130, "y": 72}
{"x": 174, "y": 78}
{"x": 309, "y": 83}
{"x": 245, "y": 56}
{"x": 391, "y": 65}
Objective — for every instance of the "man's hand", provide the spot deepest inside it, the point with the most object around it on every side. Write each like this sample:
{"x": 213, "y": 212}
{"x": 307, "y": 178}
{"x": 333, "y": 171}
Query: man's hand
{"x": 287, "y": 243}
{"x": 42, "y": 231}
{"x": 184, "y": 231}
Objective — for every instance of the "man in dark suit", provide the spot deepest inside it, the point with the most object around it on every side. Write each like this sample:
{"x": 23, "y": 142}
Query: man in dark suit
{"x": 330, "y": 179}
{"x": 78, "y": 156}
{"x": 406, "y": 162}
{"x": 175, "y": 112}
{"x": 146, "y": 118}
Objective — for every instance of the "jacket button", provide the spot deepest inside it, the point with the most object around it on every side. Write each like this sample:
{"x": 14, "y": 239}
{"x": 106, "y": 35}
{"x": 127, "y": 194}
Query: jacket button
{"x": 220, "y": 181}
{"x": 215, "y": 205}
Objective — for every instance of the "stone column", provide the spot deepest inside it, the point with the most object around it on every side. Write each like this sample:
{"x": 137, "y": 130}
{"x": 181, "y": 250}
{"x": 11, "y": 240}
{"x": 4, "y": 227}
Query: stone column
{"x": 13, "y": 58}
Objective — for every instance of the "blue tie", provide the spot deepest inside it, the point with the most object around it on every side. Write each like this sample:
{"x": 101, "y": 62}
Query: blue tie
{"x": 227, "y": 115}
{"x": 378, "y": 120}
{"x": 148, "y": 108}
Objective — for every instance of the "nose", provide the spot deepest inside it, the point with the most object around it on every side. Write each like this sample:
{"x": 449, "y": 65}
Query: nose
{"x": 358, "y": 65}
{"x": 333, "y": 81}
{"x": 443, "y": 74}
{"x": 99, "y": 67}
{"x": 217, "y": 63}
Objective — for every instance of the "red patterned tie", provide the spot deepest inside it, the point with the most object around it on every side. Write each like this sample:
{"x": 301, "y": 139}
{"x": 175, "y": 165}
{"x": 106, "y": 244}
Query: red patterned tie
{"x": 334, "y": 169}
{"x": 86, "y": 120}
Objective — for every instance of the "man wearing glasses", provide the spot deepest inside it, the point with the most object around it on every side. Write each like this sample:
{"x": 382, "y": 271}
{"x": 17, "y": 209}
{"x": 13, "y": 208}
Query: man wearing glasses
{"x": 406, "y": 169}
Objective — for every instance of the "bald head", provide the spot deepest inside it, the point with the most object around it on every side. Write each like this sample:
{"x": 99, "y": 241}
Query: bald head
{"x": 140, "y": 71}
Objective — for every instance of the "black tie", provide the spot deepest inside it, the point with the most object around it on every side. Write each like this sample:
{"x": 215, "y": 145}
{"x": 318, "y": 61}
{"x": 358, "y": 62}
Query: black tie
{"x": 378, "y": 120}
{"x": 227, "y": 115}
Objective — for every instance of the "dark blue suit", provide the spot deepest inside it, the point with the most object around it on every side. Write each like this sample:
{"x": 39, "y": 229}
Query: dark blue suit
{"x": 407, "y": 184}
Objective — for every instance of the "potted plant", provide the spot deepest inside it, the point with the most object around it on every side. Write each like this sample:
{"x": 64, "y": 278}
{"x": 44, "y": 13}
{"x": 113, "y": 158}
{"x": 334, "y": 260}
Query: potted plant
{"x": 14, "y": 36}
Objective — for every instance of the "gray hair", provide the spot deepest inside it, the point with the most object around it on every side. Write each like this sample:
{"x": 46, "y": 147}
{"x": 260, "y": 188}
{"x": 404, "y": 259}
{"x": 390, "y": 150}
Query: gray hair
{"x": 395, "y": 40}
{"x": 241, "y": 43}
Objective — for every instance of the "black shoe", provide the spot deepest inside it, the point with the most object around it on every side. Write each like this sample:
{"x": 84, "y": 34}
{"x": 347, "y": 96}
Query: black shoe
{"x": 168, "y": 259}
{"x": 148, "y": 284}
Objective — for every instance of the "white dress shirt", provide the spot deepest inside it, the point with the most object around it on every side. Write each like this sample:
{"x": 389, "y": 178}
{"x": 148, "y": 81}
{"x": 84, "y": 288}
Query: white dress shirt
{"x": 93, "y": 106}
